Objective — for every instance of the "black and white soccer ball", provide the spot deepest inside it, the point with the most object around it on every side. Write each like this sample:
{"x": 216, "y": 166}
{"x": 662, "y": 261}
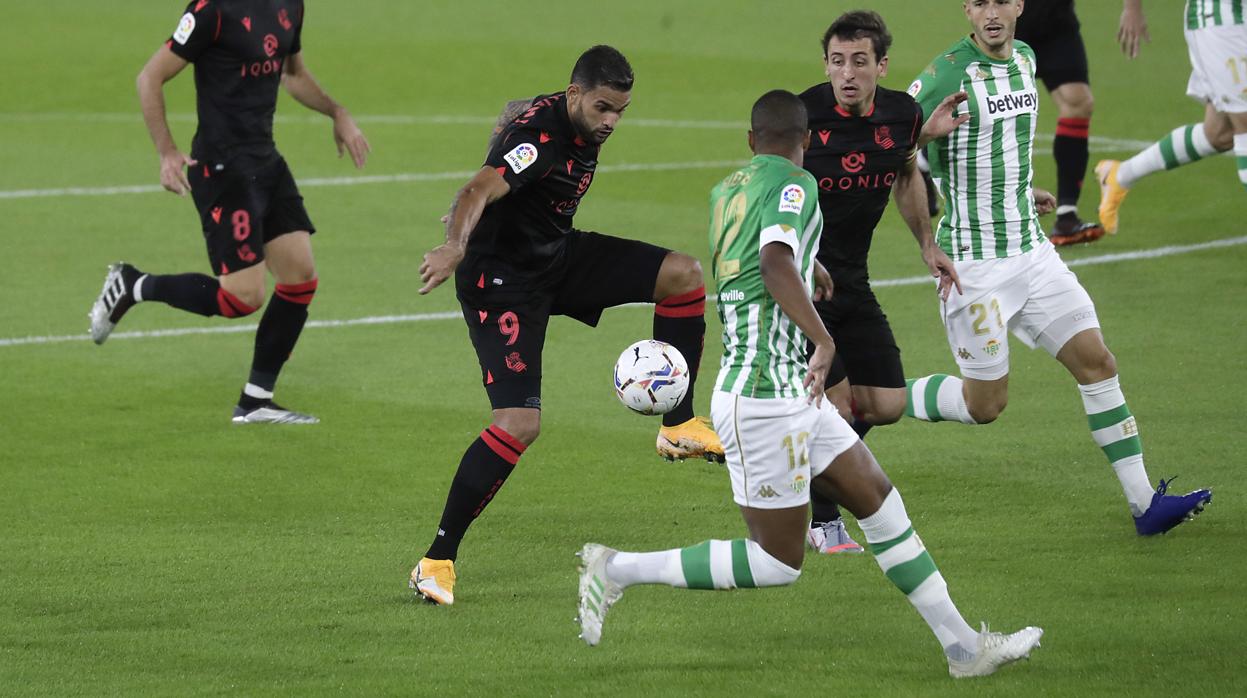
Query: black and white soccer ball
{"x": 651, "y": 377}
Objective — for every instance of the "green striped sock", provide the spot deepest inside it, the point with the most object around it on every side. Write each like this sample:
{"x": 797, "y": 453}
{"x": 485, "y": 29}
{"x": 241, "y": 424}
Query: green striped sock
{"x": 936, "y": 398}
{"x": 732, "y": 564}
{"x": 1181, "y": 146}
{"x": 1117, "y": 434}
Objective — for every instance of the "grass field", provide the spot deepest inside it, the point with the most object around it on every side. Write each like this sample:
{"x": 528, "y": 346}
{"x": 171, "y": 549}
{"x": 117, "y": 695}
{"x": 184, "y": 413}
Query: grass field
{"x": 148, "y": 547}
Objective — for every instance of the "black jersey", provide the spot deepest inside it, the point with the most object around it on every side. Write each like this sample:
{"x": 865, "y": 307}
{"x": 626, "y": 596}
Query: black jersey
{"x": 549, "y": 167}
{"x": 855, "y": 160}
{"x": 239, "y": 48}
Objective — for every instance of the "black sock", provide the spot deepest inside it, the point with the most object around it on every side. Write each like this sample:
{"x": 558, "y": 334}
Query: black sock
{"x": 681, "y": 322}
{"x": 1072, "y": 153}
{"x": 484, "y": 468}
{"x": 279, "y": 330}
{"x": 860, "y": 426}
{"x": 822, "y": 509}
{"x": 195, "y": 293}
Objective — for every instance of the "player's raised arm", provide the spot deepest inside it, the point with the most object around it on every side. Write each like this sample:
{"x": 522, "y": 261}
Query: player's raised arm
{"x": 302, "y": 85}
{"x": 486, "y": 187}
{"x": 162, "y": 67}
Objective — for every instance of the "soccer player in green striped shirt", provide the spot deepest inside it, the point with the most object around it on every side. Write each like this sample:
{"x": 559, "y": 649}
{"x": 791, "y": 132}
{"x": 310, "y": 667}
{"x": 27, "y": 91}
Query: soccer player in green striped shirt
{"x": 779, "y": 436}
{"x": 1012, "y": 278}
{"x": 1216, "y": 38}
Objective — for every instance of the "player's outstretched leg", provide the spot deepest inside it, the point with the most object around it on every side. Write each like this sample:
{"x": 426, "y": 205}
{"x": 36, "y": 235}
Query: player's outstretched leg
{"x": 124, "y": 286}
{"x": 937, "y": 398}
{"x": 712, "y": 564}
{"x": 680, "y": 320}
{"x": 483, "y": 470}
{"x": 1182, "y": 146}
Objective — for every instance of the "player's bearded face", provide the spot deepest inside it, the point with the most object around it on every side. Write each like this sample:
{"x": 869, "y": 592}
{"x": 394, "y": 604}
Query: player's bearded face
{"x": 994, "y": 21}
{"x": 595, "y": 112}
{"x": 854, "y": 72}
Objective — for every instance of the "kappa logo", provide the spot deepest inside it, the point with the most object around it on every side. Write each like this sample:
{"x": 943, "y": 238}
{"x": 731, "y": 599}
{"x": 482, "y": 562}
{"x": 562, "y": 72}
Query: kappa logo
{"x": 767, "y": 492}
{"x": 964, "y": 354}
{"x": 185, "y": 28}
{"x": 853, "y": 162}
{"x": 521, "y": 157}
{"x": 792, "y": 199}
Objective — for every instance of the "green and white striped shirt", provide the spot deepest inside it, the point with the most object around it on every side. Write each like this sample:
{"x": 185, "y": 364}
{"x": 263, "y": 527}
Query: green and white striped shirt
{"x": 984, "y": 167}
{"x": 769, "y": 200}
{"x": 1213, "y": 13}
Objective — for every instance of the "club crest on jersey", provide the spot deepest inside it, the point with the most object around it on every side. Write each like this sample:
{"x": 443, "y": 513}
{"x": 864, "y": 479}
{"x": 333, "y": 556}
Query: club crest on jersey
{"x": 791, "y": 199}
{"x": 883, "y": 137}
{"x": 185, "y": 28}
{"x": 521, "y": 157}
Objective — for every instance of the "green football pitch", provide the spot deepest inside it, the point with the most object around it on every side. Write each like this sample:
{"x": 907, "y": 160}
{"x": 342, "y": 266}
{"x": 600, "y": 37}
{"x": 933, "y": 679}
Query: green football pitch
{"x": 149, "y": 547}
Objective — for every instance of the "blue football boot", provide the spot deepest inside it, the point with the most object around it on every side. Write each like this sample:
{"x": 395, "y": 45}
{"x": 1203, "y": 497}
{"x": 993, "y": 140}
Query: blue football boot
{"x": 1167, "y": 511}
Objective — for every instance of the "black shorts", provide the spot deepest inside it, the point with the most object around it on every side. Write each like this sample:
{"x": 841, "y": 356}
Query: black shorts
{"x": 507, "y": 311}
{"x": 866, "y": 351}
{"x": 1060, "y": 56}
{"x": 244, "y": 203}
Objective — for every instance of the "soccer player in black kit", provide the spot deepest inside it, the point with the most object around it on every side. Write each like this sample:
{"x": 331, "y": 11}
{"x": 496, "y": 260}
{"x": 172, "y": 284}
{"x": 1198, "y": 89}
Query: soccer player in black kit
{"x": 863, "y": 147}
{"x": 1052, "y": 29}
{"x": 250, "y": 209}
{"x": 517, "y": 260}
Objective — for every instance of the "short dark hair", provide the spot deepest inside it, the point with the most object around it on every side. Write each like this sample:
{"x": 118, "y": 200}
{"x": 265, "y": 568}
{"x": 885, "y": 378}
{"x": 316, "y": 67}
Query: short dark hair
{"x": 779, "y": 119}
{"x": 602, "y": 65}
{"x": 860, "y": 24}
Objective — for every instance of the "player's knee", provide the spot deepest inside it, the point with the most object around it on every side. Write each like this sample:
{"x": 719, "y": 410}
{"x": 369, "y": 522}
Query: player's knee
{"x": 681, "y": 274}
{"x": 773, "y": 569}
{"x": 1101, "y": 366}
{"x": 986, "y": 410}
{"x": 523, "y": 427}
{"x": 886, "y": 414}
{"x": 1220, "y": 138}
{"x": 239, "y": 302}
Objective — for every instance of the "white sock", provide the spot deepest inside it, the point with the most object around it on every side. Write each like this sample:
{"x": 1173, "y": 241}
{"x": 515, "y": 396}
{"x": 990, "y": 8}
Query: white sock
{"x": 1240, "y": 156}
{"x": 906, "y": 562}
{"x": 711, "y": 564}
{"x": 1117, "y": 434}
{"x": 937, "y": 398}
{"x": 1181, "y": 146}
{"x": 1067, "y": 208}
{"x": 137, "y": 291}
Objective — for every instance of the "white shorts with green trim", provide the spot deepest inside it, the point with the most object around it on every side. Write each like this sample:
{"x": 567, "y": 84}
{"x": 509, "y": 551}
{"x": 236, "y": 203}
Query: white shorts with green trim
{"x": 1219, "y": 66}
{"x": 775, "y": 446}
{"x": 1033, "y": 295}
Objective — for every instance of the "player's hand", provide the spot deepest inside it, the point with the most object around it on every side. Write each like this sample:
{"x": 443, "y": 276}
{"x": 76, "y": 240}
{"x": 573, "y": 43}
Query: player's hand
{"x": 942, "y": 268}
{"x": 348, "y": 138}
{"x": 439, "y": 263}
{"x": 816, "y": 377}
{"x": 823, "y": 285}
{"x": 1045, "y": 202}
{"x": 944, "y": 118}
{"x": 1132, "y": 30}
{"x": 173, "y": 172}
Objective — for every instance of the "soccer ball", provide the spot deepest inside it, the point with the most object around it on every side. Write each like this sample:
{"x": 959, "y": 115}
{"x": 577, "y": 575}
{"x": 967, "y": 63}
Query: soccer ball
{"x": 651, "y": 377}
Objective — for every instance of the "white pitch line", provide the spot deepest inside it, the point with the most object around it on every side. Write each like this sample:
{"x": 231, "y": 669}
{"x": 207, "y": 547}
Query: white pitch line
{"x": 1156, "y": 252}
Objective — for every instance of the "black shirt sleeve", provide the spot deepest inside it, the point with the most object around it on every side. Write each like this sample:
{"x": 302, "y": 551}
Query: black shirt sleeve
{"x": 196, "y": 31}
{"x": 297, "y": 45}
{"x": 521, "y": 156}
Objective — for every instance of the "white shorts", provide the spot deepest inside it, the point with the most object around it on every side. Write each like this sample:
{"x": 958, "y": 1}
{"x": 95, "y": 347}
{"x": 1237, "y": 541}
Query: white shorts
{"x": 1034, "y": 295}
{"x": 775, "y": 446}
{"x": 1219, "y": 66}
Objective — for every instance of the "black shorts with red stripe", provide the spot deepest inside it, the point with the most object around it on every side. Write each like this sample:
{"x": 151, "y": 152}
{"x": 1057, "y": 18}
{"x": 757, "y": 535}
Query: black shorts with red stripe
{"x": 507, "y": 311}
{"x": 245, "y": 202}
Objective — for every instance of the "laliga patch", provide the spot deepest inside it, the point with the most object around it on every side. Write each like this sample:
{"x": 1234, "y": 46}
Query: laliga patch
{"x": 791, "y": 199}
{"x": 915, "y": 88}
{"x": 183, "y": 33}
{"x": 521, "y": 157}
